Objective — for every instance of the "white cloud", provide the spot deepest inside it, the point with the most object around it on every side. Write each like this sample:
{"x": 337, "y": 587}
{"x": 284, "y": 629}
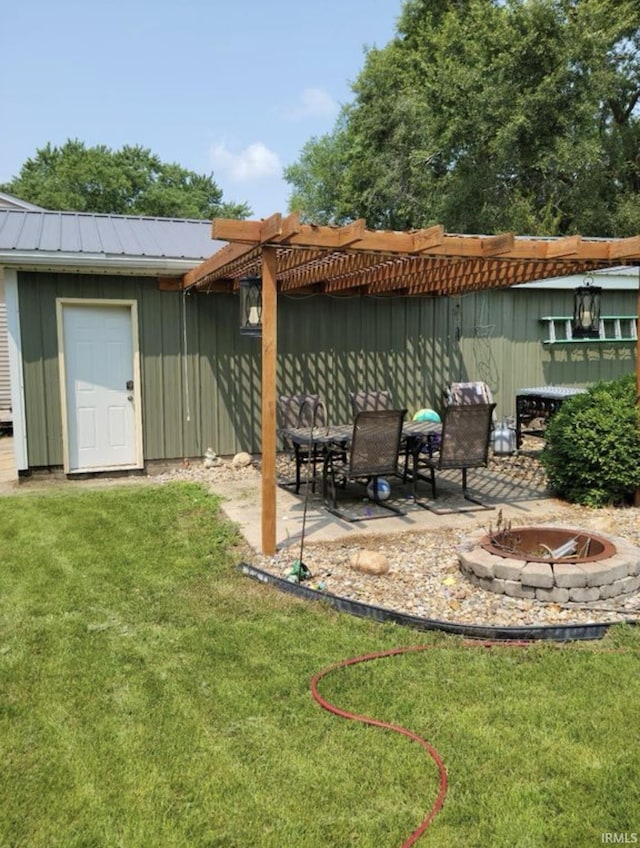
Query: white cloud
{"x": 314, "y": 103}
{"x": 255, "y": 162}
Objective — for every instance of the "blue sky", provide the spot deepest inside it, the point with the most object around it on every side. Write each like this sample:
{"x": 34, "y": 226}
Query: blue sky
{"x": 230, "y": 88}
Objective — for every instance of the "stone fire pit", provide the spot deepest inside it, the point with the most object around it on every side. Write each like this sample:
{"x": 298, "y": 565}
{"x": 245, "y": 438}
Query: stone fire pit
{"x": 551, "y": 563}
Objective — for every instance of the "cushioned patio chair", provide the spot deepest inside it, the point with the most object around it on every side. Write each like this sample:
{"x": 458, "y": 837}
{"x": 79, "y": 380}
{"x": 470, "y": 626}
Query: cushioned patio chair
{"x": 466, "y": 435}
{"x": 371, "y": 454}
{"x": 475, "y": 391}
{"x": 301, "y": 411}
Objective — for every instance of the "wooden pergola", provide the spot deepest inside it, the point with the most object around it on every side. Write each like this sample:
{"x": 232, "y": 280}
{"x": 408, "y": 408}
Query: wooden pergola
{"x": 295, "y": 258}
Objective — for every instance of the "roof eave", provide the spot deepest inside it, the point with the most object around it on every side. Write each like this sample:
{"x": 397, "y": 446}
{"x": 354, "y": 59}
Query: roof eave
{"x": 97, "y": 263}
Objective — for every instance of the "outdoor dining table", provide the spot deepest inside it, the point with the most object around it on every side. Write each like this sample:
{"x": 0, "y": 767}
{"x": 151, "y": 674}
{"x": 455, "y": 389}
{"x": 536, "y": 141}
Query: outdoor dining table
{"x": 416, "y": 437}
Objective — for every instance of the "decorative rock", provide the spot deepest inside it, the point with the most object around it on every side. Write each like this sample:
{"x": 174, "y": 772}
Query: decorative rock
{"x": 242, "y": 460}
{"x": 209, "y": 458}
{"x": 369, "y": 562}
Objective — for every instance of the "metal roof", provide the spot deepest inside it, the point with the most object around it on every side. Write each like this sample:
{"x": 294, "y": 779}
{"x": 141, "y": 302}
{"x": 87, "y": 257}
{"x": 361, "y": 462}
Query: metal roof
{"x": 62, "y": 237}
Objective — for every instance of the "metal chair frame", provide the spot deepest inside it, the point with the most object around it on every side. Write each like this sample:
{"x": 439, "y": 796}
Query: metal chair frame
{"x": 302, "y": 410}
{"x": 372, "y": 400}
{"x": 466, "y": 436}
{"x": 372, "y": 453}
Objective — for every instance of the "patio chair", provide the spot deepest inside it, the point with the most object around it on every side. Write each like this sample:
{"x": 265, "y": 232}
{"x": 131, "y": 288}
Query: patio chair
{"x": 474, "y": 391}
{"x": 471, "y": 392}
{"x": 466, "y": 435}
{"x": 371, "y": 454}
{"x": 301, "y": 411}
{"x": 370, "y": 400}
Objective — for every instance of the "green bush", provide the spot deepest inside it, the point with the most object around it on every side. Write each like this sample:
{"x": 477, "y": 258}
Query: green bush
{"x": 592, "y": 450}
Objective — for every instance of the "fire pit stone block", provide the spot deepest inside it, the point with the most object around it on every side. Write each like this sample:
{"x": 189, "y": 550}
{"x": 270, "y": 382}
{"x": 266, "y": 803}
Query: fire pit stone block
{"x": 508, "y": 569}
{"x": 598, "y": 573}
{"x": 515, "y": 589}
{"x": 618, "y": 566}
{"x": 569, "y": 576}
{"x": 537, "y": 574}
{"x": 479, "y": 561}
{"x": 620, "y": 587}
{"x": 553, "y": 596}
{"x": 584, "y": 595}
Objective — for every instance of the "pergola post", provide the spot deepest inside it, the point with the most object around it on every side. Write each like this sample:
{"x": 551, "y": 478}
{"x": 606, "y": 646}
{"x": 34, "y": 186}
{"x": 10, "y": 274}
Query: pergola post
{"x": 269, "y": 358}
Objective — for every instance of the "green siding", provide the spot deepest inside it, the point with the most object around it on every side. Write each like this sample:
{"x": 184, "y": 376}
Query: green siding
{"x": 209, "y": 396}
{"x": 501, "y": 342}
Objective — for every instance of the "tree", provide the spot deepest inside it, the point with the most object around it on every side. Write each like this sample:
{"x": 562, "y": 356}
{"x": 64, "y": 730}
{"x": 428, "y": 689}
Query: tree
{"x": 130, "y": 181}
{"x": 485, "y": 116}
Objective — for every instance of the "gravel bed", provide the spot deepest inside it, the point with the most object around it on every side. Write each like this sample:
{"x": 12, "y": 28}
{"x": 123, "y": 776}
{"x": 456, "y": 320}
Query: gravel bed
{"x": 424, "y": 578}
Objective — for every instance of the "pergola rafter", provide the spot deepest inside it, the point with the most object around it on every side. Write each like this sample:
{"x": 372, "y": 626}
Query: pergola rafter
{"x": 352, "y": 259}
{"x": 295, "y": 258}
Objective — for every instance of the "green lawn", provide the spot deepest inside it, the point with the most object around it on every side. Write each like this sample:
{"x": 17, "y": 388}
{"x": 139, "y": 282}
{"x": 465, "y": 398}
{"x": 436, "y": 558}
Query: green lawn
{"x": 151, "y": 695}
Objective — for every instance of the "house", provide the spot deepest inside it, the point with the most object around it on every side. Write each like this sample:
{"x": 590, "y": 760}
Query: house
{"x": 92, "y": 310}
{"x": 115, "y": 364}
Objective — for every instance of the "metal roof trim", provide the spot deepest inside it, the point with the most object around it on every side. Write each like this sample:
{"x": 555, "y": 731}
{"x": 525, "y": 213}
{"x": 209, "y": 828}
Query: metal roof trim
{"x": 99, "y": 263}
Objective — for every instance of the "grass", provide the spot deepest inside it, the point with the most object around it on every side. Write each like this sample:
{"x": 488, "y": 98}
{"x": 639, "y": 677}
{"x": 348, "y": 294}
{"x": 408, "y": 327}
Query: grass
{"x": 150, "y": 695}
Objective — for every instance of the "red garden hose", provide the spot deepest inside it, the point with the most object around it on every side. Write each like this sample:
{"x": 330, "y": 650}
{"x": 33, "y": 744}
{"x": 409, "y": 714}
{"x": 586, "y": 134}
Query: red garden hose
{"x": 442, "y": 791}
{"x": 332, "y": 708}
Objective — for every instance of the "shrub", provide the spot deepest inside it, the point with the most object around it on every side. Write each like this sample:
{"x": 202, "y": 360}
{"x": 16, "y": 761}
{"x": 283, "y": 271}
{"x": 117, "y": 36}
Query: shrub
{"x": 592, "y": 450}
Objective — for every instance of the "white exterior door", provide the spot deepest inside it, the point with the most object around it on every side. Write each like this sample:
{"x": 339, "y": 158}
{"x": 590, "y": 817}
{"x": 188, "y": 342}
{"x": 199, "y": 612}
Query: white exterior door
{"x": 100, "y": 386}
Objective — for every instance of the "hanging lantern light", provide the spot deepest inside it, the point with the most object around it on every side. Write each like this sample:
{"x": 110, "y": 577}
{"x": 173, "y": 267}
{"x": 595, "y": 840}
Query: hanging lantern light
{"x": 251, "y": 306}
{"x": 586, "y": 311}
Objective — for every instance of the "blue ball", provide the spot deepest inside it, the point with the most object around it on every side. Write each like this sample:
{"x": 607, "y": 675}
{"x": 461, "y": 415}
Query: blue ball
{"x": 384, "y": 489}
{"x": 427, "y": 415}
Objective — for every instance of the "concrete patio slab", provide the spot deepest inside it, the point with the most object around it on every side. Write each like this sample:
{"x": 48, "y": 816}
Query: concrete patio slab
{"x": 514, "y": 498}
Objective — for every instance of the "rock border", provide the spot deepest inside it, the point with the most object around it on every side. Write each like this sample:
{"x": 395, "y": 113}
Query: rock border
{"x": 559, "y": 583}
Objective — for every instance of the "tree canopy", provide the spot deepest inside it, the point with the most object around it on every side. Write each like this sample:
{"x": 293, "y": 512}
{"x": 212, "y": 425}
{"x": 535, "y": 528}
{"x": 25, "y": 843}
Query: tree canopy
{"x": 485, "y": 116}
{"x": 129, "y": 181}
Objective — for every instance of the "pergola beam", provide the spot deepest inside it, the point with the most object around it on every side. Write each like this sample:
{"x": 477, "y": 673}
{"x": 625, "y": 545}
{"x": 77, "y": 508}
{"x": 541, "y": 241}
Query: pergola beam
{"x": 427, "y": 261}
